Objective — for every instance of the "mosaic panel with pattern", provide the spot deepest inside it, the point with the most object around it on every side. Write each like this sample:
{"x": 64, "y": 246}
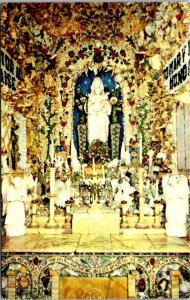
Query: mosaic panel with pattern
{"x": 152, "y": 279}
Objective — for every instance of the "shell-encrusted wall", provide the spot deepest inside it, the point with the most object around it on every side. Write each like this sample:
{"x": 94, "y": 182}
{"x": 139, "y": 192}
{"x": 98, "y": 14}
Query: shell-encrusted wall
{"x": 54, "y": 43}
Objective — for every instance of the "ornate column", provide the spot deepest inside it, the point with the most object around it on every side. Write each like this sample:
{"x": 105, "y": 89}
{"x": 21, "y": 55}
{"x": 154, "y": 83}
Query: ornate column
{"x": 55, "y": 291}
{"x": 132, "y": 285}
{"x": 11, "y": 284}
{"x": 175, "y": 277}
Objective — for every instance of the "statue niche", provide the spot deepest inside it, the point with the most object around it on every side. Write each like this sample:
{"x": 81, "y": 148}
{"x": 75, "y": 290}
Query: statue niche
{"x": 98, "y": 117}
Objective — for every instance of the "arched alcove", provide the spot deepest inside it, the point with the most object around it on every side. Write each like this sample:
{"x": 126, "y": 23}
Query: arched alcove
{"x": 80, "y": 113}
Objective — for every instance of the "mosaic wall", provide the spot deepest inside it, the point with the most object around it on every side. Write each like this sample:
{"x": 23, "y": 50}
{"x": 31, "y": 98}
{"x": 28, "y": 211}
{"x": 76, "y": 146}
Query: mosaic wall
{"x": 153, "y": 277}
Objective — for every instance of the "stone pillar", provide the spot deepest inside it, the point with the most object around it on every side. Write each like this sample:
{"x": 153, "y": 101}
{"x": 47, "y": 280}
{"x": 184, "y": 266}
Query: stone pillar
{"x": 11, "y": 284}
{"x": 55, "y": 284}
{"x": 132, "y": 285}
{"x": 175, "y": 276}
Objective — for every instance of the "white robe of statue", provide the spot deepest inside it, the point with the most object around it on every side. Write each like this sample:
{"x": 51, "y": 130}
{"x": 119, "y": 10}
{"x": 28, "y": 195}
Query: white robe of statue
{"x": 15, "y": 218}
{"x": 5, "y": 186}
{"x": 99, "y": 109}
{"x": 176, "y": 192}
{"x": 62, "y": 190}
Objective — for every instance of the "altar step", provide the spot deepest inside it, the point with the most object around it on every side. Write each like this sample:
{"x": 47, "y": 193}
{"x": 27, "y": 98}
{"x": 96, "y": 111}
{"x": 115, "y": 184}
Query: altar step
{"x": 125, "y": 231}
{"x": 42, "y": 230}
{"x": 143, "y": 231}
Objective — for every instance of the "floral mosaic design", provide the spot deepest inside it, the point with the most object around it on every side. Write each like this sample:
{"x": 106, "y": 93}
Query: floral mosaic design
{"x": 152, "y": 271}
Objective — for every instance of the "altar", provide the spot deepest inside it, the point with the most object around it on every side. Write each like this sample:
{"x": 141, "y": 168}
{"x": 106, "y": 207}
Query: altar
{"x": 104, "y": 221}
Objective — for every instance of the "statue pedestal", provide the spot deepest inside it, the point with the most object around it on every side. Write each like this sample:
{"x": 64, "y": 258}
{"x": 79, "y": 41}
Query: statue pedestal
{"x": 101, "y": 221}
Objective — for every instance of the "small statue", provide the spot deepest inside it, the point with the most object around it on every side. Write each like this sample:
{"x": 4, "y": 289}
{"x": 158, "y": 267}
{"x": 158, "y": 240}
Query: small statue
{"x": 176, "y": 193}
{"x": 16, "y": 195}
{"x": 62, "y": 190}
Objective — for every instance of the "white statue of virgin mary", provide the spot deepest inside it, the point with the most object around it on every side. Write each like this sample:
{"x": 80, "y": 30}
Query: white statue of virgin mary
{"x": 99, "y": 109}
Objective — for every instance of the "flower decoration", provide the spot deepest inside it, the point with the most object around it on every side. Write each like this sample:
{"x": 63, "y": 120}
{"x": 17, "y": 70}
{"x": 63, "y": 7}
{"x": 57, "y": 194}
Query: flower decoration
{"x": 97, "y": 150}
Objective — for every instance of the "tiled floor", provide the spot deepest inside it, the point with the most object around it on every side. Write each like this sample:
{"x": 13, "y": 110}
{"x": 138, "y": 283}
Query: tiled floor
{"x": 77, "y": 243}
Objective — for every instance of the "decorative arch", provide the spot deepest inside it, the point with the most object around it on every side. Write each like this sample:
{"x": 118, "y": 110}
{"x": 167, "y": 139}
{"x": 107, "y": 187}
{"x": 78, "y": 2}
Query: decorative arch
{"x": 117, "y": 61}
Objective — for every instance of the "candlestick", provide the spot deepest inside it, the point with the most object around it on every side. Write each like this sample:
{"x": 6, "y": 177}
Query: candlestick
{"x": 141, "y": 199}
{"x": 124, "y": 207}
{"x": 157, "y": 218}
{"x": 93, "y": 166}
{"x": 52, "y": 151}
{"x": 34, "y": 223}
{"x": 156, "y": 193}
{"x": 148, "y": 184}
{"x": 141, "y": 210}
{"x": 150, "y": 162}
{"x": 83, "y": 174}
{"x": 35, "y": 188}
{"x": 51, "y": 222}
{"x": 140, "y": 149}
{"x": 103, "y": 172}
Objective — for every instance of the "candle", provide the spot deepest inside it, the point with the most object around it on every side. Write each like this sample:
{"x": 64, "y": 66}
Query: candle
{"x": 150, "y": 154}
{"x": 141, "y": 181}
{"x": 128, "y": 156}
{"x": 52, "y": 181}
{"x": 83, "y": 175}
{"x": 140, "y": 149}
{"x": 148, "y": 184}
{"x": 93, "y": 166}
{"x": 141, "y": 210}
{"x": 103, "y": 172}
{"x": 35, "y": 188}
{"x": 150, "y": 162}
{"x": 52, "y": 151}
{"x": 156, "y": 193}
